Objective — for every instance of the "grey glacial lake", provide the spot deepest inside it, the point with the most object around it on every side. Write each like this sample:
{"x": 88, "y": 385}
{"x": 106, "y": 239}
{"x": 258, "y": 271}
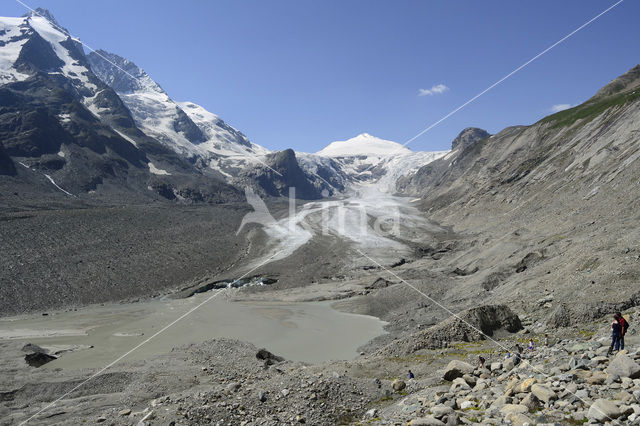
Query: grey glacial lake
{"x": 309, "y": 331}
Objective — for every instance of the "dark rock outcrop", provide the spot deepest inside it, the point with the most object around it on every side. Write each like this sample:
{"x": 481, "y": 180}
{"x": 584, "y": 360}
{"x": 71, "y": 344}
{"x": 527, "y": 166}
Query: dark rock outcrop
{"x": 7, "y": 167}
{"x": 468, "y": 326}
{"x": 468, "y": 137}
{"x": 282, "y": 174}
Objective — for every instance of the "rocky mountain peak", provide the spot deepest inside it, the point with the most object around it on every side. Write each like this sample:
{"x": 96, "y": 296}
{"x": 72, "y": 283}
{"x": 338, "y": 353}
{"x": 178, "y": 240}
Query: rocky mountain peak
{"x": 44, "y": 13}
{"x": 119, "y": 73}
{"x": 626, "y": 82}
{"x": 468, "y": 137}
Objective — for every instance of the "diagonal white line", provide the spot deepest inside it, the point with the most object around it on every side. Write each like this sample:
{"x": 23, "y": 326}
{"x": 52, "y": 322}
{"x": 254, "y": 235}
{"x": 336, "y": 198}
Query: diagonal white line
{"x": 450, "y": 312}
{"x": 572, "y": 33}
{"x": 165, "y": 328}
{"x": 77, "y": 40}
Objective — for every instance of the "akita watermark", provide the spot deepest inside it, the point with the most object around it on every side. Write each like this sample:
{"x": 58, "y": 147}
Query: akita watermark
{"x": 349, "y": 217}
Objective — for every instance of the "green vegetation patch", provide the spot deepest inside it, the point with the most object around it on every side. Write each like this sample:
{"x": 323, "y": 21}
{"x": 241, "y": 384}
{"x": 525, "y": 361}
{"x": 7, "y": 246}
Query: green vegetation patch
{"x": 589, "y": 110}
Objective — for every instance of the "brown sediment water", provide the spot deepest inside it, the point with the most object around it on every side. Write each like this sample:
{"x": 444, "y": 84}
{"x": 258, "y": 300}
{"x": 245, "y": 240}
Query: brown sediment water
{"x": 309, "y": 331}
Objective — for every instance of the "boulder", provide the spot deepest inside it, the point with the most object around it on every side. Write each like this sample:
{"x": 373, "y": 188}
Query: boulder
{"x": 441, "y": 410}
{"x": 458, "y": 385}
{"x": 457, "y": 368}
{"x": 514, "y": 408}
{"x": 578, "y": 364}
{"x": 525, "y": 385}
{"x": 603, "y": 410}
{"x": 466, "y": 405}
{"x": 531, "y": 402}
{"x": 426, "y": 421}
{"x": 624, "y": 366}
{"x": 268, "y": 357}
{"x": 543, "y": 393}
{"x": 597, "y": 378}
{"x": 518, "y": 419}
{"x": 398, "y": 385}
{"x": 509, "y": 363}
{"x": 38, "y": 359}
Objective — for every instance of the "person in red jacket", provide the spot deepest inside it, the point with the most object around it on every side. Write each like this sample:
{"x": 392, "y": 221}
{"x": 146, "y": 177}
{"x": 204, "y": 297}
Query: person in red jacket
{"x": 624, "y": 325}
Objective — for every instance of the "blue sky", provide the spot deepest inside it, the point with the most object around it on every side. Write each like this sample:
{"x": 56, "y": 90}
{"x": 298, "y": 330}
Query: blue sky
{"x": 302, "y": 73}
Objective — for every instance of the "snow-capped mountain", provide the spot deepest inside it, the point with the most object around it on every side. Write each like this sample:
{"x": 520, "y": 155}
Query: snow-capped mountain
{"x": 64, "y": 131}
{"x": 368, "y": 159}
{"x": 187, "y": 128}
{"x": 89, "y": 122}
{"x": 363, "y": 145}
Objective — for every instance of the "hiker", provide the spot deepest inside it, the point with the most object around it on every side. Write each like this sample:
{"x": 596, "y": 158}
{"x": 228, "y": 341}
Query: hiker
{"x": 530, "y": 345}
{"x": 546, "y": 339}
{"x": 616, "y": 334}
{"x": 481, "y": 362}
{"x": 624, "y": 325}
{"x": 411, "y": 376}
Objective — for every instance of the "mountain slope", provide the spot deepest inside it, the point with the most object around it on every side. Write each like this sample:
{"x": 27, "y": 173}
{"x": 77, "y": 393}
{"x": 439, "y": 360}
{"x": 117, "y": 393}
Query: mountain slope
{"x": 185, "y": 127}
{"x": 59, "y": 120}
{"x": 550, "y": 208}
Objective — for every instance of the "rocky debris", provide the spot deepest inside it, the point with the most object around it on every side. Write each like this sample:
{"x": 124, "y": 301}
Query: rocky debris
{"x": 569, "y": 382}
{"x": 468, "y": 326}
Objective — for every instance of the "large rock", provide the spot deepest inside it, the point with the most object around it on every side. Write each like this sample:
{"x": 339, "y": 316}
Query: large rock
{"x": 38, "y": 359}
{"x": 543, "y": 393}
{"x": 441, "y": 410}
{"x": 518, "y": 419}
{"x": 624, "y": 366}
{"x": 268, "y": 357}
{"x": 525, "y": 385}
{"x": 398, "y": 385}
{"x": 458, "y": 385}
{"x": 531, "y": 402}
{"x": 514, "y": 408}
{"x": 426, "y": 421}
{"x": 603, "y": 410}
{"x": 457, "y": 368}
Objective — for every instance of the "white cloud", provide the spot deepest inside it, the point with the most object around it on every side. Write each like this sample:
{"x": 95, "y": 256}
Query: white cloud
{"x": 560, "y": 107}
{"x": 437, "y": 89}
